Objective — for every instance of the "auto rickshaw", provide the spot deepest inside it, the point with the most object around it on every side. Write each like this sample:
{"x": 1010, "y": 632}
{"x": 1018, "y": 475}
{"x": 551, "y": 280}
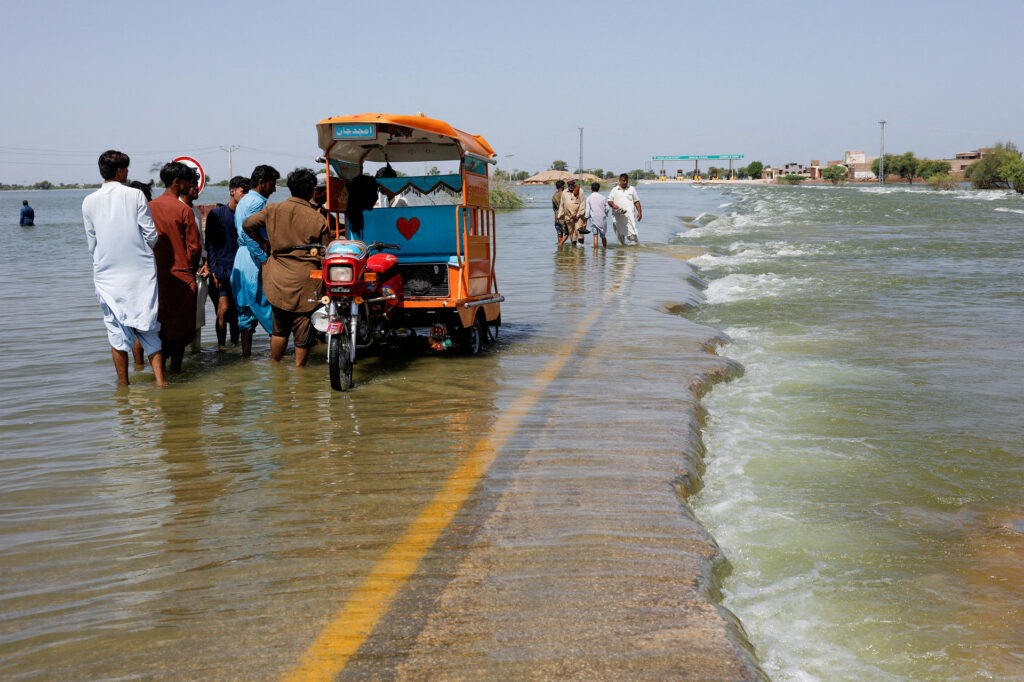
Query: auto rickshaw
{"x": 439, "y": 228}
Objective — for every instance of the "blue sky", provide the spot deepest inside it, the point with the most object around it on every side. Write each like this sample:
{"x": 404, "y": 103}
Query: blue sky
{"x": 775, "y": 81}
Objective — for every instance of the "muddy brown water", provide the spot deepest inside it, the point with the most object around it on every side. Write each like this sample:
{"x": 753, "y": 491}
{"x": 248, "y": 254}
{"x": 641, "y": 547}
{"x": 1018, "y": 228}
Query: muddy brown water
{"x": 214, "y": 528}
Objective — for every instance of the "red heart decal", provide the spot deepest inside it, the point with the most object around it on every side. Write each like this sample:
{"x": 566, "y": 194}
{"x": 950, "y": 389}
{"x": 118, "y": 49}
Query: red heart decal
{"x": 408, "y": 227}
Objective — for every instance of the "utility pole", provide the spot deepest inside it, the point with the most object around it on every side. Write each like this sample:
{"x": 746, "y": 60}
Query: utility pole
{"x": 581, "y": 155}
{"x": 229, "y": 149}
{"x": 509, "y": 170}
{"x": 881, "y": 156}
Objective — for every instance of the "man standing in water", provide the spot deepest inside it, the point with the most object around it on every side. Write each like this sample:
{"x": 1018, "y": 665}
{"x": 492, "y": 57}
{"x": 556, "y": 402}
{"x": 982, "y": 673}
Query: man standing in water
{"x": 556, "y": 202}
{"x": 626, "y": 210}
{"x": 286, "y": 278}
{"x": 28, "y": 216}
{"x": 572, "y": 213}
{"x": 221, "y": 247}
{"x": 121, "y": 236}
{"x": 246, "y": 283}
{"x": 597, "y": 213}
{"x": 177, "y": 254}
{"x": 202, "y": 287}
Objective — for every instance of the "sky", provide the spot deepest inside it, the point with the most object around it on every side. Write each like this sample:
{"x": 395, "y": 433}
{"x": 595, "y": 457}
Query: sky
{"x": 775, "y": 81}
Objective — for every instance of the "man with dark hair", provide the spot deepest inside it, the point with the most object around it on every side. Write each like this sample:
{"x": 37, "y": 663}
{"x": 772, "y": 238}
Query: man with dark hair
{"x": 597, "y": 213}
{"x": 121, "y": 237}
{"x": 28, "y": 216}
{"x": 626, "y": 211}
{"x": 571, "y": 212}
{"x": 221, "y": 247}
{"x": 177, "y": 254}
{"x": 246, "y": 284}
{"x": 556, "y": 202}
{"x": 286, "y": 280}
{"x": 320, "y": 201}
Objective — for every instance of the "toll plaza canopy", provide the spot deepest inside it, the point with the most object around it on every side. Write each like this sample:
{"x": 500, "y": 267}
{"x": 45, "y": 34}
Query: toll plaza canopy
{"x": 391, "y": 137}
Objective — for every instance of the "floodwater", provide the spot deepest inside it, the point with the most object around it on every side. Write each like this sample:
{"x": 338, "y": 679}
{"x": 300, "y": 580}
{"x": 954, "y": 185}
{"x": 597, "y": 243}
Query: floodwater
{"x": 863, "y": 462}
{"x": 216, "y": 528}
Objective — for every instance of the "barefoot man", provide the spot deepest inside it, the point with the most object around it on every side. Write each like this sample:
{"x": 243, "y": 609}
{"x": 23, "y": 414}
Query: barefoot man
{"x": 120, "y": 232}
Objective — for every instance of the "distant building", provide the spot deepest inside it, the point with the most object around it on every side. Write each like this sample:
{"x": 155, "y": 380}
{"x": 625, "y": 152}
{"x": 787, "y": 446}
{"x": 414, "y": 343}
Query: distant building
{"x": 960, "y": 162}
{"x": 859, "y": 164}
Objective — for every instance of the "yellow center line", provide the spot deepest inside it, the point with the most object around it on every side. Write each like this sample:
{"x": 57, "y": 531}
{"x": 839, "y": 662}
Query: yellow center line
{"x": 352, "y": 625}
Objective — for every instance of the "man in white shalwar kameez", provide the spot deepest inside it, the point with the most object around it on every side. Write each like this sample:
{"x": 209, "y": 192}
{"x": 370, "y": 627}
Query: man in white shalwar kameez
{"x": 626, "y": 210}
{"x": 121, "y": 234}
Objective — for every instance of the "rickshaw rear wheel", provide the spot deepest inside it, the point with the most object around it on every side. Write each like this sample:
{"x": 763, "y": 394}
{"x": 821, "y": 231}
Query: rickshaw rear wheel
{"x": 473, "y": 337}
{"x": 339, "y": 361}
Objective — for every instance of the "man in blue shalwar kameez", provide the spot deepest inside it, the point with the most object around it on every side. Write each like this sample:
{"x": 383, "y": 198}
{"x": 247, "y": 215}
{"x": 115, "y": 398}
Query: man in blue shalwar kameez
{"x": 246, "y": 283}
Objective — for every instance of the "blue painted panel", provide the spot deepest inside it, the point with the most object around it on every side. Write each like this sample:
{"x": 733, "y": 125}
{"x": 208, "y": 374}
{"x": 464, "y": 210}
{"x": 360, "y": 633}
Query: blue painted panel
{"x": 424, "y": 183}
{"x": 420, "y": 231}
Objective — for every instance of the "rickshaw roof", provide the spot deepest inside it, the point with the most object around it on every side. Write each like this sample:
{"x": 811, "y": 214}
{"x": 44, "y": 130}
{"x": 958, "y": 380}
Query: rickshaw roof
{"x": 397, "y": 138}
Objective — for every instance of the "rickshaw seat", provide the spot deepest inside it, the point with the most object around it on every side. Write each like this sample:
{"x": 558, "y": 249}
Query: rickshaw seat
{"x": 426, "y": 234}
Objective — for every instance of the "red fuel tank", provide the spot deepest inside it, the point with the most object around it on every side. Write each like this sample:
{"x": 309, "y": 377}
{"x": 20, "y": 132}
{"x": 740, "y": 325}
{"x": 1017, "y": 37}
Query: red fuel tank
{"x": 381, "y": 262}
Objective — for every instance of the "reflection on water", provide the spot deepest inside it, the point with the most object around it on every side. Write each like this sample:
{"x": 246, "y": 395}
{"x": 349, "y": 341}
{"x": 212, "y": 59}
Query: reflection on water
{"x": 211, "y": 528}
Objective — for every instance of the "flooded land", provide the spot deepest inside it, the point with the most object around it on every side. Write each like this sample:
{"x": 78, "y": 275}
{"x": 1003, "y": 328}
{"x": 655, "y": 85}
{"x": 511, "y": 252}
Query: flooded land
{"x": 779, "y": 439}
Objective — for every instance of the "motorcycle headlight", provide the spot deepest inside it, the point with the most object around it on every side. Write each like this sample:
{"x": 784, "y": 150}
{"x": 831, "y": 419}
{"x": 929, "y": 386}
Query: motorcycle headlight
{"x": 320, "y": 319}
{"x": 339, "y": 273}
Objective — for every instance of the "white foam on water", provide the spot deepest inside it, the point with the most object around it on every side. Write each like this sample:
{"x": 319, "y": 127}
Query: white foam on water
{"x": 740, "y": 287}
{"x": 1003, "y": 209}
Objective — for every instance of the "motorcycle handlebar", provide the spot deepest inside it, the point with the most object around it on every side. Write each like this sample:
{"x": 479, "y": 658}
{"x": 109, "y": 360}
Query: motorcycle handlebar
{"x": 380, "y": 246}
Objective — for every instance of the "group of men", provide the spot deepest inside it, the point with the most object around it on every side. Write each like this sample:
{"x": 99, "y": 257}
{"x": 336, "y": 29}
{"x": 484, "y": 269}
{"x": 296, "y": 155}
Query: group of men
{"x": 576, "y": 215}
{"x": 151, "y": 263}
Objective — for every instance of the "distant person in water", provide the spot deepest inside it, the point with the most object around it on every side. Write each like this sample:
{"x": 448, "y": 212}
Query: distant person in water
{"x": 571, "y": 212}
{"x": 177, "y": 251}
{"x": 28, "y": 216}
{"x": 221, "y": 247}
{"x": 597, "y": 214}
{"x": 556, "y": 202}
{"x": 121, "y": 235}
{"x": 626, "y": 211}
{"x": 246, "y": 281}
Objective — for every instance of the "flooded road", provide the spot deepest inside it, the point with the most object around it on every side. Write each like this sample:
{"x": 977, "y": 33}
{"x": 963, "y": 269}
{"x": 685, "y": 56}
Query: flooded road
{"x": 513, "y": 514}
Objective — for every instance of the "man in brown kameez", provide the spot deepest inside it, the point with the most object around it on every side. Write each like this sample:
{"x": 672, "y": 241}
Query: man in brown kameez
{"x": 572, "y": 212}
{"x": 177, "y": 253}
{"x": 286, "y": 282}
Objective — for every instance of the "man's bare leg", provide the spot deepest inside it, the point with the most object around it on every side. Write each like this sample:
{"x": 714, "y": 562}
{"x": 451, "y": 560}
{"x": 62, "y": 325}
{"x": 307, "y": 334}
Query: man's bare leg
{"x": 120, "y": 365}
{"x": 137, "y": 354}
{"x": 222, "y": 324}
{"x": 246, "y": 338}
{"x": 278, "y": 344}
{"x": 156, "y": 361}
{"x": 301, "y": 356}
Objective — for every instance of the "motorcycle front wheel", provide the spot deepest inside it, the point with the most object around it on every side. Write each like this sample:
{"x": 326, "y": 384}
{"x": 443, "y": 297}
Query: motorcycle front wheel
{"x": 339, "y": 360}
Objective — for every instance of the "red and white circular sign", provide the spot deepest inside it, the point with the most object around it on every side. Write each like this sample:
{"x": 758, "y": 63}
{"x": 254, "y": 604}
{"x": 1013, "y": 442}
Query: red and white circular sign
{"x": 192, "y": 163}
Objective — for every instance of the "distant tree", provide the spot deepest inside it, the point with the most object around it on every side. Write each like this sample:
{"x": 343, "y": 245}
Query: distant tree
{"x": 926, "y": 168}
{"x": 1013, "y": 171}
{"x": 906, "y": 166}
{"x": 836, "y": 174}
{"x": 890, "y": 164}
{"x": 793, "y": 179}
{"x": 755, "y": 168}
{"x": 987, "y": 172}
{"x": 43, "y": 184}
{"x": 433, "y": 171}
{"x": 559, "y": 165}
{"x": 519, "y": 176}
{"x": 609, "y": 175}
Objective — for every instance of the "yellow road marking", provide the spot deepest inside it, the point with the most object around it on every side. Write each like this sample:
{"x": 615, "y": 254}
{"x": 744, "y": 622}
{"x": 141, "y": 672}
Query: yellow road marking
{"x": 351, "y": 626}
